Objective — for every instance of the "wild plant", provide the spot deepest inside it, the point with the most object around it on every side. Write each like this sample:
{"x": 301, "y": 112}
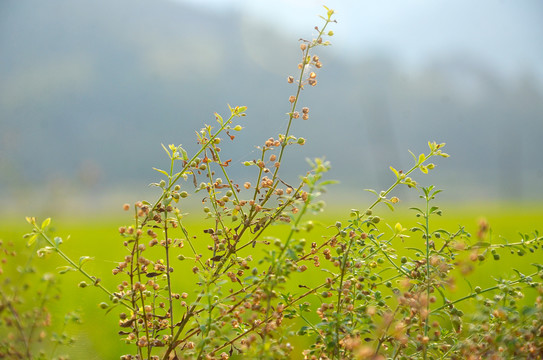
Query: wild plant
{"x": 26, "y": 322}
{"x": 382, "y": 291}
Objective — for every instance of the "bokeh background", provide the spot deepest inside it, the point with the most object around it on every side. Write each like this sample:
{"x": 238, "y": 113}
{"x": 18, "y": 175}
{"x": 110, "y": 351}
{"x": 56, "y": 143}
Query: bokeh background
{"x": 89, "y": 91}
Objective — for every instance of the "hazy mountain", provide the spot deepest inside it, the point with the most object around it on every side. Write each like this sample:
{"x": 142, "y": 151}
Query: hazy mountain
{"x": 89, "y": 91}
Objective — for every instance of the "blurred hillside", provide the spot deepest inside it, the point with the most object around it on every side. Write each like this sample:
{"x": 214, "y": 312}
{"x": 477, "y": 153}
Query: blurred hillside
{"x": 89, "y": 91}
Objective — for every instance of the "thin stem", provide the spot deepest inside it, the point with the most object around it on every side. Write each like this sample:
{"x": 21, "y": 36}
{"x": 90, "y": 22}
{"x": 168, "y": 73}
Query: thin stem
{"x": 399, "y": 180}
{"x": 94, "y": 280}
{"x": 284, "y": 143}
{"x": 133, "y": 269}
{"x": 142, "y": 298}
{"x": 472, "y": 295}
{"x": 279, "y": 258}
{"x": 225, "y": 173}
{"x": 168, "y": 276}
{"x": 20, "y": 329}
{"x": 427, "y": 235}
{"x": 377, "y": 245}
{"x": 188, "y": 164}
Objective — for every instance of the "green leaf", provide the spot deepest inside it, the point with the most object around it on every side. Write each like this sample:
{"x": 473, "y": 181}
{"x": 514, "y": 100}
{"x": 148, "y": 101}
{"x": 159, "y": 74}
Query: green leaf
{"x": 469, "y": 284}
{"x": 521, "y": 275}
{"x": 84, "y": 259}
{"x": 292, "y": 254}
{"x": 44, "y": 251}
{"x": 416, "y": 250}
{"x": 31, "y": 239}
{"x": 219, "y": 119}
{"x": 390, "y": 206}
{"x": 167, "y": 151}
{"x": 184, "y": 153}
{"x": 395, "y": 172}
{"x": 329, "y": 182}
{"x": 421, "y": 159}
{"x": 45, "y": 223}
{"x": 65, "y": 269}
{"x": 58, "y": 241}
{"x": 110, "y": 308}
{"x": 162, "y": 172}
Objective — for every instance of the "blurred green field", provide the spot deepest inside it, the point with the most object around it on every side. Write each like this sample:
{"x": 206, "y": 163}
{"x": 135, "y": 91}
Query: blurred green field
{"x": 98, "y": 237}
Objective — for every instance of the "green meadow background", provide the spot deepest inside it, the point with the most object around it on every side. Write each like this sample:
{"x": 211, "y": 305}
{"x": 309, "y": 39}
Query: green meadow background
{"x": 96, "y": 337}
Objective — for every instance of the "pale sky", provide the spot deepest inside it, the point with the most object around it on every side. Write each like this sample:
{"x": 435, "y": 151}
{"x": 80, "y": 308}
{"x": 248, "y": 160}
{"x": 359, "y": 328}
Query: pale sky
{"x": 505, "y": 34}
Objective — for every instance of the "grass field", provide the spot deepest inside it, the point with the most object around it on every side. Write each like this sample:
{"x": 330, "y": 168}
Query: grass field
{"x": 96, "y": 337}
